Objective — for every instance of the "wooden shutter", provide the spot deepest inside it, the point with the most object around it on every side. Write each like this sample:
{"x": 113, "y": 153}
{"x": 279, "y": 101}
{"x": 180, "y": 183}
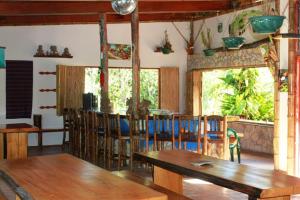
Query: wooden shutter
{"x": 69, "y": 87}
{"x": 194, "y": 92}
{"x": 169, "y": 88}
{"x": 19, "y": 80}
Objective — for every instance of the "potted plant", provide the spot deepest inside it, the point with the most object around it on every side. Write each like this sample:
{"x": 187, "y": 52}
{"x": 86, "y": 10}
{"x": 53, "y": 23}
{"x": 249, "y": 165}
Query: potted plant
{"x": 267, "y": 23}
{"x": 166, "y": 47}
{"x": 233, "y": 42}
{"x": 207, "y": 40}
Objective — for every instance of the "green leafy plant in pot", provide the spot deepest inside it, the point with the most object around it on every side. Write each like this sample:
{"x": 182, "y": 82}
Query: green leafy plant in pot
{"x": 167, "y": 46}
{"x": 207, "y": 40}
{"x": 269, "y": 22}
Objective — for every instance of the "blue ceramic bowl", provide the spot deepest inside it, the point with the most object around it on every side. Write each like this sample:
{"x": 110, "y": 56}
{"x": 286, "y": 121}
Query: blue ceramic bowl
{"x": 266, "y": 24}
{"x": 233, "y": 42}
{"x": 209, "y": 52}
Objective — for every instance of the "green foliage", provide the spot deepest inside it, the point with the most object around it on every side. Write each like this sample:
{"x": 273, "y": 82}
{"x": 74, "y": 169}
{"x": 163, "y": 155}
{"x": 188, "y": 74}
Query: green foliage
{"x": 120, "y": 86}
{"x": 149, "y": 86}
{"x": 240, "y": 22}
{"x": 243, "y": 97}
{"x": 206, "y": 39}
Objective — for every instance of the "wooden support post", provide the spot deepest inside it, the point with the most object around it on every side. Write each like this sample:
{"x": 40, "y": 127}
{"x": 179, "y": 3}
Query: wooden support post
{"x": 104, "y": 49}
{"x": 135, "y": 59}
{"x": 291, "y": 92}
{"x": 276, "y": 144}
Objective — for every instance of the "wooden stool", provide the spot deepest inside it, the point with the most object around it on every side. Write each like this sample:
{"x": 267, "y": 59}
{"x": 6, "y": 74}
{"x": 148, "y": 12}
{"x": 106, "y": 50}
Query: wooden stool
{"x": 114, "y": 134}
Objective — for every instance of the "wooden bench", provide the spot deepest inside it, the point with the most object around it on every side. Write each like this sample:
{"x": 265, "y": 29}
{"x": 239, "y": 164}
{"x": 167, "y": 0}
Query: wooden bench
{"x": 135, "y": 178}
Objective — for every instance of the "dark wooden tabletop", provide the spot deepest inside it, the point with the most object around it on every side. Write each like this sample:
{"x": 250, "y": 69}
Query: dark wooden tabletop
{"x": 17, "y": 127}
{"x": 255, "y": 182}
{"x": 63, "y": 176}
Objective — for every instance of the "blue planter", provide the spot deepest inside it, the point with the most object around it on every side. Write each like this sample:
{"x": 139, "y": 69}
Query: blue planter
{"x": 233, "y": 42}
{"x": 266, "y": 24}
{"x": 209, "y": 52}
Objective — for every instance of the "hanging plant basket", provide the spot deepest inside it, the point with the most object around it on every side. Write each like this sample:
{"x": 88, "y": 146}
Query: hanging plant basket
{"x": 266, "y": 24}
{"x": 233, "y": 42}
{"x": 209, "y": 52}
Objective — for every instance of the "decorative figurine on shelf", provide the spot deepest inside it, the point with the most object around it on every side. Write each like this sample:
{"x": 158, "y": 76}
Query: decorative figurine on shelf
{"x": 66, "y": 53}
{"x": 129, "y": 104}
{"x": 144, "y": 107}
{"x": 39, "y": 51}
{"x": 105, "y": 104}
{"x": 53, "y": 51}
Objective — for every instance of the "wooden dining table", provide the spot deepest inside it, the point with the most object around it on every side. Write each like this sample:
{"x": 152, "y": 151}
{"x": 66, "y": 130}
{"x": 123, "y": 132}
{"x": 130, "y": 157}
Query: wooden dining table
{"x": 171, "y": 165}
{"x": 65, "y": 177}
{"x": 14, "y": 140}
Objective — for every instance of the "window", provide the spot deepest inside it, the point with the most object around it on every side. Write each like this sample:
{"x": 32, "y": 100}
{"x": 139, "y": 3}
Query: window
{"x": 120, "y": 86}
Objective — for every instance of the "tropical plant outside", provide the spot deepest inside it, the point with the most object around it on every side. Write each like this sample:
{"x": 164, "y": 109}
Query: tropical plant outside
{"x": 244, "y": 92}
{"x": 120, "y": 86}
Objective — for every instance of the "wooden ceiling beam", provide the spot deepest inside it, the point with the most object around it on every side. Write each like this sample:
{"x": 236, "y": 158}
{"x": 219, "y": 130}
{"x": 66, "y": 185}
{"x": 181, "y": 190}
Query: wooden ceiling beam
{"x": 8, "y": 8}
{"x": 93, "y": 19}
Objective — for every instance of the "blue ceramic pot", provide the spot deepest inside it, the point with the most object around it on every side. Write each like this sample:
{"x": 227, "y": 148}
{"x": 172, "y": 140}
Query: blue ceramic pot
{"x": 233, "y": 42}
{"x": 209, "y": 52}
{"x": 165, "y": 50}
{"x": 266, "y": 24}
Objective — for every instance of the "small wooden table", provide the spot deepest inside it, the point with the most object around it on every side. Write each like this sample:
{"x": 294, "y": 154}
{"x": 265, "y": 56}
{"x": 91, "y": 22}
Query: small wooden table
{"x": 14, "y": 140}
{"x": 170, "y": 166}
{"x": 66, "y": 177}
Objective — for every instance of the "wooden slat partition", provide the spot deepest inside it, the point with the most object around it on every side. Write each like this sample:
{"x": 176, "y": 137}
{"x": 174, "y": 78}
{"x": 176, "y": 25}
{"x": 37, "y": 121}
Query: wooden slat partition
{"x": 194, "y": 92}
{"x": 69, "y": 87}
{"x": 169, "y": 88}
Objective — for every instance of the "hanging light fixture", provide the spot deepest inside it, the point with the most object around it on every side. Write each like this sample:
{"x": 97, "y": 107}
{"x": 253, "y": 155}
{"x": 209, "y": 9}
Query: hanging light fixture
{"x": 2, "y": 57}
{"x": 123, "y": 7}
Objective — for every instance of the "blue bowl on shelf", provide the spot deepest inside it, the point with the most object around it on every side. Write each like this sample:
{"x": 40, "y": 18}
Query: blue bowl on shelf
{"x": 209, "y": 52}
{"x": 233, "y": 42}
{"x": 266, "y": 24}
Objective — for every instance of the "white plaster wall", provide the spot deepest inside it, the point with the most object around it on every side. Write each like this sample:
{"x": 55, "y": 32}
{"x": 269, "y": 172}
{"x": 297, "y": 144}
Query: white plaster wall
{"x": 83, "y": 43}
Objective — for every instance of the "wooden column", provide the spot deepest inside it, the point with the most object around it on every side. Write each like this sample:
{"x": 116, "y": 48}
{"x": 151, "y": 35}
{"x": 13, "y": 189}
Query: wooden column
{"x": 104, "y": 49}
{"x": 275, "y": 74}
{"x": 291, "y": 92}
{"x": 135, "y": 59}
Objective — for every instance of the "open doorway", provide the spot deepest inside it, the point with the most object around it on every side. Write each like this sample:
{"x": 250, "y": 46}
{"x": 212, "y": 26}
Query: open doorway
{"x": 249, "y": 94}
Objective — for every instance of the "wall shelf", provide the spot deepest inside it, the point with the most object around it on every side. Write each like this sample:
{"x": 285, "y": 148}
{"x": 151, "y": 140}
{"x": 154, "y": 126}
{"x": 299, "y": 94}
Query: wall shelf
{"x": 49, "y": 56}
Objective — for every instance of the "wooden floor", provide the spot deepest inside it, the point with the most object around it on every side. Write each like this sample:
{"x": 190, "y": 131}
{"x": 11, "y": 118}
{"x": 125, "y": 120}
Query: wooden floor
{"x": 193, "y": 188}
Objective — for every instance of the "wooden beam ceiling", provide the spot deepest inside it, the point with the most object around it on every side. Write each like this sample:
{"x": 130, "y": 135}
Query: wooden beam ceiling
{"x": 94, "y": 19}
{"x": 55, "y": 12}
{"x": 94, "y": 7}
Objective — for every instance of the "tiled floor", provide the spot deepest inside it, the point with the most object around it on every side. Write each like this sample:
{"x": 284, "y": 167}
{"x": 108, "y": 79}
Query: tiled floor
{"x": 195, "y": 188}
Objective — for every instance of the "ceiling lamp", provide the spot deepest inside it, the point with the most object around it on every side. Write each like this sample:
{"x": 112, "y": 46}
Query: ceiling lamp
{"x": 123, "y": 7}
{"x": 2, "y": 57}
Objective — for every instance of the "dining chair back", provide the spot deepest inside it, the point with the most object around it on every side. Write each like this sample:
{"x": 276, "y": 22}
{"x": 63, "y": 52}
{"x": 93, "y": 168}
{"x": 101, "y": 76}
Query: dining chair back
{"x": 189, "y": 130}
{"x": 215, "y": 133}
{"x": 163, "y": 131}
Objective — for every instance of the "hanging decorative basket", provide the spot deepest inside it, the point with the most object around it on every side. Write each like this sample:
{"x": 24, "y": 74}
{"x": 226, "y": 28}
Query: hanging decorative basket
{"x": 266, "y": 24}
{"x": 233, "y": 42}
{"x": 209, "y": 52}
